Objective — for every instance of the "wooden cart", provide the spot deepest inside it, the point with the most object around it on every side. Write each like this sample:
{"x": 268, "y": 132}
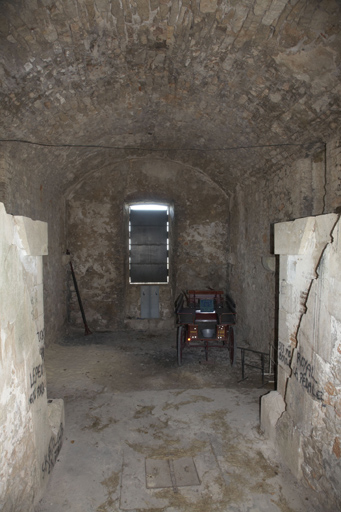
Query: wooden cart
{"x": 205, "y": 320}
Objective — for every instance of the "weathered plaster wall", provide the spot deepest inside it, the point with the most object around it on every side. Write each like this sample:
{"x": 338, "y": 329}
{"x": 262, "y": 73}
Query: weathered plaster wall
{"x": 97, "y": 238}
{"x": 27, "y": 189}
{"x": 31, "y": 430}
{"x": 311, "y": 187}
{"x": 307, "y": 431}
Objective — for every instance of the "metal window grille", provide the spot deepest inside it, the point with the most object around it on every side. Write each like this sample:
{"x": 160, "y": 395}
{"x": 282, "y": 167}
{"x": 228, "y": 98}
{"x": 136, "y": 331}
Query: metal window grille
{"x": 148, "y": 246}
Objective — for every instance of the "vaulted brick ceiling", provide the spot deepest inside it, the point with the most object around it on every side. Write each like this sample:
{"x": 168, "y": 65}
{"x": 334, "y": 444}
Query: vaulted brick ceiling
{"x": 158, "y": 74}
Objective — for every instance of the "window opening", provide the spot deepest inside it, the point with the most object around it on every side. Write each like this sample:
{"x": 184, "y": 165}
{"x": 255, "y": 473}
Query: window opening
{"x": 148, "y": 243}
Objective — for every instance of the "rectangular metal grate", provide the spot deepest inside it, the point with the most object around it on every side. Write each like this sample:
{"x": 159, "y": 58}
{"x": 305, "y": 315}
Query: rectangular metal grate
{"x": 171, "y": 473}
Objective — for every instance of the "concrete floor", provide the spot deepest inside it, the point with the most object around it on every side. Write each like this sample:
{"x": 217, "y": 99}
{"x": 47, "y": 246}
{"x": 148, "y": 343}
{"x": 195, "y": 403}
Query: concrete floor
{"x": 143, "y": 434}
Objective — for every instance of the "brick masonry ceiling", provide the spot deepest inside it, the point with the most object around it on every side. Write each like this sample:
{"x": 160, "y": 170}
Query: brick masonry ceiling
{"x": 154, "y": 75}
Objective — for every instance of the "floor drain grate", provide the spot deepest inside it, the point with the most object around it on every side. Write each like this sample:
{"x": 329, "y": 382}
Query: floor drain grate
{"x": 171, "y": 473}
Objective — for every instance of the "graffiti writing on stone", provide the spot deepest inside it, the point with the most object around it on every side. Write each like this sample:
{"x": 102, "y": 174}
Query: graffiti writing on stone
{"x": 304, "y": 374}
{"x": 37, "y": 387}
{"x": 284, "y": 353}
{"x": 53, "y": 450}
{"x": 41, "y": 335}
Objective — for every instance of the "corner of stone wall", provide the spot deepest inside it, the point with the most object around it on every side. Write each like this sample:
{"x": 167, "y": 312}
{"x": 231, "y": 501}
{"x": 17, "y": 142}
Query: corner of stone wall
{"x": 289, "y": 444}
{"x": 307, "y": 432}
{"x": 272, "y": 408}
{"x": 31, "y": 430}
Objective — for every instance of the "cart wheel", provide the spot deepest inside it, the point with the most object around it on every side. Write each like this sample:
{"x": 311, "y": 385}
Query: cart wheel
{"x": 232, "y": 346}
{"x": 180, "y": 343}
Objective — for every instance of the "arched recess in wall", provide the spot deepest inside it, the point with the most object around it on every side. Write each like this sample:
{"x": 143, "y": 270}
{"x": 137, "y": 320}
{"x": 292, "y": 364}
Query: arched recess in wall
{"x": 97, "y": 236}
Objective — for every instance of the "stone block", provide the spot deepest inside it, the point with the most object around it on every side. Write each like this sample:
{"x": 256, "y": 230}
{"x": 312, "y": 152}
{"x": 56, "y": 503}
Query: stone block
{"x": 29, "y": 443}
{"x": 33, "y": 235}
{"x": 286, "y": 297}
{"x": 274, "y": 12}
{"x": 143, "y": 9}
{"x": 284, "y": 354}
{"x": 335, "y": 337}
{"x": 293, "y": 267}
{"x": 289, "y": 236}
{"x": 56, "y": 414}
{"x": 300, "y": 405}
{"x": 261, "y": 6}
{"x": 303, "y": 235}
{"x": 6, "y": 227}
{"x": 282, "y": 376}
{"x": 39, "y": 275}
{"x": 316, "y": 324}
{"x": 272, "y": 407}
{"x": 283, "y": 329}
{"x": 208, "y": 6}
{"x": 289, "y": 443}
{"x": 283, "y": 263}
{"x": 307, "y": 430}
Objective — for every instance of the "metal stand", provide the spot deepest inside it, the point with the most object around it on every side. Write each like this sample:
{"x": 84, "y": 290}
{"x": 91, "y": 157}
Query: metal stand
{"x": 262, "y": 355}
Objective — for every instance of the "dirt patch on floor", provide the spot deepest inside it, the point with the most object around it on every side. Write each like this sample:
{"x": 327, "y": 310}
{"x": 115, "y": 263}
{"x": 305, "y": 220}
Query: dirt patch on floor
{"x": 127, "y": 400}
{"x": 120, "y": 362}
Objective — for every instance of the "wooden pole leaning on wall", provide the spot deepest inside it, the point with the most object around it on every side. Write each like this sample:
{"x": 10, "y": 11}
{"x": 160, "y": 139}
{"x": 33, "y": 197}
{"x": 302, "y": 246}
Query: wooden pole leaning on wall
{"x": 87, "y": 330}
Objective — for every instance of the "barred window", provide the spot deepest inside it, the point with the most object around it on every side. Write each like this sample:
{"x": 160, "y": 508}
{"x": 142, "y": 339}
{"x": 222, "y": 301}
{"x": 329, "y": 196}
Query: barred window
{"x": 148, "y": 243}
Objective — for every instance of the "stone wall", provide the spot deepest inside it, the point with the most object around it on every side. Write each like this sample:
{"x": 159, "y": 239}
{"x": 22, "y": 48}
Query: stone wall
{"x": 27, "y": 188}
{"x": 98, "y": 239}
{"x": 232, "y": 88}
{"x": 31, "y": 429}
{"x": 254, "y": 205}
{"x": 307, "y": 428}
{"x": 309, "y": 187}
{"x": 332, "y": 196}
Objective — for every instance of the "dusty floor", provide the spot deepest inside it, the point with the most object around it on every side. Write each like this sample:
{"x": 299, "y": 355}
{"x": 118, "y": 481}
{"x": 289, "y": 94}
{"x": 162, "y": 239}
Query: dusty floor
{"x": 135, "y": 420}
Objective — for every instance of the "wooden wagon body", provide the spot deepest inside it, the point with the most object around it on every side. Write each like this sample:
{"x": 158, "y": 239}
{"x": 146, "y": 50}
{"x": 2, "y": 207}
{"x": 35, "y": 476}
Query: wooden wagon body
{"x": 205, "y": 320}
